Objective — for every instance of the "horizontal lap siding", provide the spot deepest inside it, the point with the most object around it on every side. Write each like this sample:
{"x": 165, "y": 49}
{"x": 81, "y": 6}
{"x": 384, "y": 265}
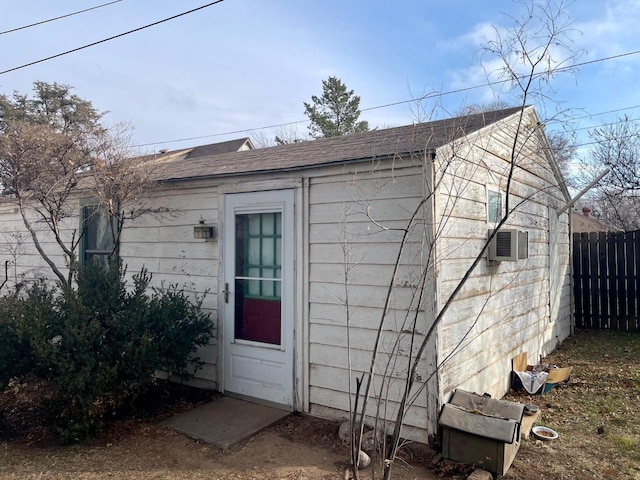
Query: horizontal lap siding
{"x": 349, "y": 215}
{"x": 504, "y": 309}
{"x": 17, "y": 247}
{"x": 161, "y": 243}
{"x": 164, "y": 245}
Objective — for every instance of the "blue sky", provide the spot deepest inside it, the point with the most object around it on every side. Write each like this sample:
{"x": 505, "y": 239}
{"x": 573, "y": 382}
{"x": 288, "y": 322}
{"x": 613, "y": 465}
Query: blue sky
{"x": 245, "y": 64}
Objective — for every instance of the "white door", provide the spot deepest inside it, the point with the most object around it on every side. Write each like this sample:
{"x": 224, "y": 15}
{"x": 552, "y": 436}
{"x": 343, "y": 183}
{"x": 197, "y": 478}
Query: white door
{"x": 258, "y": 291}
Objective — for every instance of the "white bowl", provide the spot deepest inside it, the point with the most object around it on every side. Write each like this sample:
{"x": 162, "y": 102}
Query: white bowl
{"x": 544, "y": 433}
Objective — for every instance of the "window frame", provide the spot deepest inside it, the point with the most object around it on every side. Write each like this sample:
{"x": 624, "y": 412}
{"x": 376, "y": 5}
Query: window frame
{"x": 493, "y": 192}
{"x": 84, "y": 252}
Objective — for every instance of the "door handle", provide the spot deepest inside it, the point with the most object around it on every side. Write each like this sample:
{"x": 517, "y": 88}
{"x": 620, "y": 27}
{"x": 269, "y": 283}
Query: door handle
{"x": 226, "y": 292}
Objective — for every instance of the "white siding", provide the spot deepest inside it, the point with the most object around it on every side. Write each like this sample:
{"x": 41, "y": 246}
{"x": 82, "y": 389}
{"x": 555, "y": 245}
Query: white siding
{"x": 164, "y": 245}
{"x": 17, "y": 247}
{"x": 349, "y": 233}
{"x": 350, "y": 246}
{"x": 506, "y": 308}
{"x": 161, "y": 243}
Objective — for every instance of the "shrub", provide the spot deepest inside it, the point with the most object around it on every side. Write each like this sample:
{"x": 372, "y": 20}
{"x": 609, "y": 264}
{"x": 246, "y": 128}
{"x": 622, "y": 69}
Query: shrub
{"x": 100, "y": 345}
{"x": 19, "y": 318}
{"x": 14, "y": 348}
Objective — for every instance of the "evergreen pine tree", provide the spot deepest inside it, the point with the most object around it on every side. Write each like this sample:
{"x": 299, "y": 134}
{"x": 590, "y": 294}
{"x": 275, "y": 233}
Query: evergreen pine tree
{"x": 336, "y": 112}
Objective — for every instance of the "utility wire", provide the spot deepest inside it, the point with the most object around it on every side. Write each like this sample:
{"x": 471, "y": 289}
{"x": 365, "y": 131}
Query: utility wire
{"x": 232, "y": 132}
{"x": 600, "y": 125}
{"x": 424, "y": 97}
{"x": 604, "y": 113}
{"x": 110, "y": 38}
{"x": 58, "y": 18}
{"x": 248, "y": 130}
{"x": 401, "y": 102}
{"x": 499, "y": 82}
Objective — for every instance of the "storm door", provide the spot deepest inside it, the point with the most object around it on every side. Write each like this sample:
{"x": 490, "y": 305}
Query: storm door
{"x": 258, "y": 291}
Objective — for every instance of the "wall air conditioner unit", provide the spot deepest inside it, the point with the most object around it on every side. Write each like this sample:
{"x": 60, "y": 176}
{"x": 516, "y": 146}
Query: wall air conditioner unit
{"x": 504, "y": 246}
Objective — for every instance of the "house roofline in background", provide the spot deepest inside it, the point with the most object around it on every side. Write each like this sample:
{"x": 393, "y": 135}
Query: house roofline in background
{"x": 357, "y": 147}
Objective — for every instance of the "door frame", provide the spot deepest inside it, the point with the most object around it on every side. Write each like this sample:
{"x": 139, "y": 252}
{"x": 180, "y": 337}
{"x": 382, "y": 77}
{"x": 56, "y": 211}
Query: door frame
{"x": 285, "y": 200}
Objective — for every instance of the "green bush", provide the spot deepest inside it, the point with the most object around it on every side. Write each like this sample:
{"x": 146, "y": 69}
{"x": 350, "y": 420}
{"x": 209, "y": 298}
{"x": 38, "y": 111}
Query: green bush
{"x": 100, "y": 345}
{"x": 15, "y": 352}
{"x": 18, "y": 319}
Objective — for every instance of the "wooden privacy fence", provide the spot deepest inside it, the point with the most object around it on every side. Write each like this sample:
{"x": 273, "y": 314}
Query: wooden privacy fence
{"x": 606, "y": 267}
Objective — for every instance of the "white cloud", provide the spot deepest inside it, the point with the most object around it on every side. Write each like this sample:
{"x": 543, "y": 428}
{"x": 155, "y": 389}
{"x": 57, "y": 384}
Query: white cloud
{"x": 497, "y": 52}
{"x": 613, "y": 33}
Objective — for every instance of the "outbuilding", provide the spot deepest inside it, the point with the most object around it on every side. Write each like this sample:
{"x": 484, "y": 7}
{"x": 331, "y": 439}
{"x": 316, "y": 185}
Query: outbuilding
{"x": 316, "y": 254}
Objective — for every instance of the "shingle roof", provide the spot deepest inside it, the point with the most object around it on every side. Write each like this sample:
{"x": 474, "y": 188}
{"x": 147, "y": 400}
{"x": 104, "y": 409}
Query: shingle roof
{"x": 219, "y": 148}
{"x": 328, "y": 151}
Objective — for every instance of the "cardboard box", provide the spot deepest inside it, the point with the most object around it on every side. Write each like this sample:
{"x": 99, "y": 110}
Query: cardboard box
{"x": 554, "y": 375}
{"x": 481, "y": 431}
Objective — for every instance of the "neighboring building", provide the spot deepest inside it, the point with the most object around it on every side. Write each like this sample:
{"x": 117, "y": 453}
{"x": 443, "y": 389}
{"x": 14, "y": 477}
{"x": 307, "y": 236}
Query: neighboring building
{"x": 305, "y": 229}
{"x": 583, "y": 222}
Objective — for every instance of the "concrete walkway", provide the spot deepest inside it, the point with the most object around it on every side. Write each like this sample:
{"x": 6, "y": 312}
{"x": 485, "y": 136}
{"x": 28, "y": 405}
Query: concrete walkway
{"x": 225, "y": 421}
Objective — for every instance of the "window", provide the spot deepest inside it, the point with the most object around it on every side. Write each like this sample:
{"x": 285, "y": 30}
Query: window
{"x": 494, "y": 206}
{"x": 258, "y": 255}
{"x": 97, "y": 237}
{"x": 258, "y": 307}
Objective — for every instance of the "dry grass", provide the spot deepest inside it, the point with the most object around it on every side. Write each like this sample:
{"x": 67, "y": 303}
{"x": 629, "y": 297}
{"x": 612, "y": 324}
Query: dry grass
{"x": 597, "y": 414}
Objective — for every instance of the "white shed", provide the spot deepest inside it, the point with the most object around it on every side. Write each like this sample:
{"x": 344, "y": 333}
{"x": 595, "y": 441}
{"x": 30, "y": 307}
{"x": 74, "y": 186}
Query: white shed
{"x": 323, "y": 249}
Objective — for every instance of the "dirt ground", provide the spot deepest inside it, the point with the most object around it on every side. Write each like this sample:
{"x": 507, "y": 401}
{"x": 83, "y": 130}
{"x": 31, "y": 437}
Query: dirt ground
{"x": 595, "y": 414}
{"x": 297, "y": 448}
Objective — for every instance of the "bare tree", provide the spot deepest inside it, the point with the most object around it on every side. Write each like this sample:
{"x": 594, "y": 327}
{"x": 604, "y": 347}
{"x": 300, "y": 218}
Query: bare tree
{"x": 288, "y": 134}
{"x": 563, "y": 147}
{"x": 616, "y": 199}
{"x": 261, "y": 139}
{"x": 122, "y": 184}
{"x": 53, "y": 148}
{"x": 531, "y": 53}
{"x": 284, "y": 135}
{"x": 43, "y": 150}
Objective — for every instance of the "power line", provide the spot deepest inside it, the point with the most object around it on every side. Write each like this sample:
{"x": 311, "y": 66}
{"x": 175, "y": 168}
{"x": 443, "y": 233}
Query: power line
{"x": 248, "y": 130}
{"x": 608, "y": 111}
{"x": 499, "y": 82}
{"x": 58, "y": 18}
{"x": 600, "y": 125}
{"x": 401, "y": 102}
{"x": 110, "y": 38}
{"x": 232, "y": 132}
{"x": 424, "y": 97}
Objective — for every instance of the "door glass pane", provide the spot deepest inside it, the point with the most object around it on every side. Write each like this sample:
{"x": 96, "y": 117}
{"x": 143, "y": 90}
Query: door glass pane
{"x": 268, "y": 255}
{"x": 254, "y": 224}
{"x": 252, "y": 287}
{"x": 267, "y": 224}
{"x": 253, "y": 250}
{"x": 253, "y": 272}
{"x": 258, "y": 277}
